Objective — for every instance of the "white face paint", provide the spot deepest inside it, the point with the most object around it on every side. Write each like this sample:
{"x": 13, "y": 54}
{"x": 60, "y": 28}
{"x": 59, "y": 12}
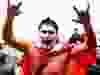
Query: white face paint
{"x": 47, "y": 32}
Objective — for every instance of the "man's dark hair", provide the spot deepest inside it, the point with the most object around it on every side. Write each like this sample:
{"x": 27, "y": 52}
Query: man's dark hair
{"x": 48, "y": 21}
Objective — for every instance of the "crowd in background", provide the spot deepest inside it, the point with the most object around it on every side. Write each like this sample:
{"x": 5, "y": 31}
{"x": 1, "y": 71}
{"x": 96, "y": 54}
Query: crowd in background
{"x": 74, "y": 39}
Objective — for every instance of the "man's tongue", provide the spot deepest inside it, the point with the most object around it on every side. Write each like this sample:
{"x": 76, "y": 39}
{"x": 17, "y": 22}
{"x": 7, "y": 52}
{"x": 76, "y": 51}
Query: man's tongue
{"x": 47, "y": 42}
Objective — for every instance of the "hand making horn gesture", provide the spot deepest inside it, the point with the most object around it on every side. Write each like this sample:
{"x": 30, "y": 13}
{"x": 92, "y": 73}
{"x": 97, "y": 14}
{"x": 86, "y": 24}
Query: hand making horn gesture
{"x": 87, "y": 45}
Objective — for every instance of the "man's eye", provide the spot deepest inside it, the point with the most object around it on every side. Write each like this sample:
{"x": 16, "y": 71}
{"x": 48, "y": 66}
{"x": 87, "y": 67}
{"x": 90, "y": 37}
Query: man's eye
{"x": 51, "y": 32}
{"x": 44, "y": 32}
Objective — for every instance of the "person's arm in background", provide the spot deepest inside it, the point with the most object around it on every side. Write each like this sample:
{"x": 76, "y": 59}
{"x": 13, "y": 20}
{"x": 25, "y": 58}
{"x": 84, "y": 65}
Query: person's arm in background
{"x": 84, "y": 18}
{"x": 9, "y": 37}
{"x": 2, "y": 21}
{"x": 21, "y": 43}
{"x": 9, "y": 30}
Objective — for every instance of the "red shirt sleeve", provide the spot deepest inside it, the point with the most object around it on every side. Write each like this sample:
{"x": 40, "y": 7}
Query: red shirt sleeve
{"x": 26, "y": 65}
{"x": 88, "y": 57}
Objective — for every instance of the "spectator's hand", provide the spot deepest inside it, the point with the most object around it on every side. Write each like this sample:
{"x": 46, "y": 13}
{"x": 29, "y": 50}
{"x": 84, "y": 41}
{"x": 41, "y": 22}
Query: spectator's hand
{"x": 83, "y": 16}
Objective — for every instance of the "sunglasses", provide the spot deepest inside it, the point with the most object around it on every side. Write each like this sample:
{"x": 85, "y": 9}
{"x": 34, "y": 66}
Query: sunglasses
{"x": 50, "y": 32}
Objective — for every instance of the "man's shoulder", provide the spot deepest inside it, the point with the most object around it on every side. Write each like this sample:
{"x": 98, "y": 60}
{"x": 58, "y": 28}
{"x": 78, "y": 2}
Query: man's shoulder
{"x": 36, "y": 44}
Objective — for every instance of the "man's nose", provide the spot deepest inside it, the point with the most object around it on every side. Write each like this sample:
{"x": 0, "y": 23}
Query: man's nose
{"x": 46, "y": 35}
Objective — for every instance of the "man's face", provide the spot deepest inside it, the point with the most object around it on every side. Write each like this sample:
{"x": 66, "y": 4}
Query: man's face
{"x": 47, "y": 32}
